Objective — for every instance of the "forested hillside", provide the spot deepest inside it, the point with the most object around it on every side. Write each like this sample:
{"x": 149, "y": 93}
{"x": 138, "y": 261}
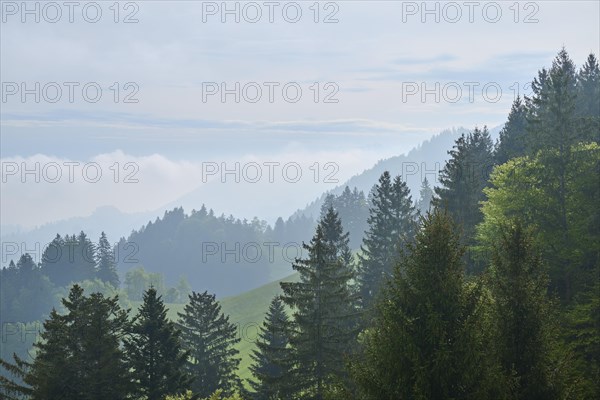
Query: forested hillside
{"x": 483, "y": 283}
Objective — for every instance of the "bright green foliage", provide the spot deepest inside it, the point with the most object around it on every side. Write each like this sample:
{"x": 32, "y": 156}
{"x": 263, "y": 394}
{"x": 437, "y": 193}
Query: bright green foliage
{"x": 272, "y": 367}
{"x": 426, "y": 341}
{"x": 210, "y": 338}
{"x": 391, "y": 219}
{"x": 462, "y": 180}
{"x": 154, "y": 351}
{"x": 80, "y": 356}
{"x": 522, "y": 316}
{"x": 529, "y": 188}
{"x": 324, "y": 309}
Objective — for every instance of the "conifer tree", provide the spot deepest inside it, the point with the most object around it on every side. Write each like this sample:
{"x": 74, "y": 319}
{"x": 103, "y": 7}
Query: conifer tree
{"x": 106, "y": 269}
{"x": 425, "y": 198}
{"x": 324, "y": 310}
{"x": 425, "y": 341}
{"x": 80, "y": 356}
{"x": 210, "y": 338}
{"x": 588, "y": 99}
{"x": 521, "y": 313}
{"x": 272, "y": 362}
{"x": 512, "y": 140}
{"x": 463, "y": 179}
{"x": 391, "y": 219}
{"x": 154, "y": 351}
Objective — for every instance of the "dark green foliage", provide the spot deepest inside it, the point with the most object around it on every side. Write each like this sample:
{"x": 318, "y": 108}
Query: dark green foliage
{"x": 426, "y": 341}
{"x": 106, "y": 269}
{"x": 15, "y": 388}
{"x": 72, "y": 259}
{"x": 512, "y": 139}
{"x": 209, "y": 338}
{"x": 587, "y": 104}
{"x": 80, "y": 355}
{"x": 324, "y": 310}
{"x": 462, "y": 181}
{"x": 391, "y": 220}
{"x": 551, "y": 119}
{"x": 272, "y": 362}
{"x": 522, "y": 315}
{"x": 154, "y": 352}
{"x": 582, "y": 334}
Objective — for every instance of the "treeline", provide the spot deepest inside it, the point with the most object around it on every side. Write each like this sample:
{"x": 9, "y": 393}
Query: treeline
{"x": 492, "y": 293}
{"x": 95, "y": 350}
{"x": 210, "y": 249}
{"x": 29, "y": 289}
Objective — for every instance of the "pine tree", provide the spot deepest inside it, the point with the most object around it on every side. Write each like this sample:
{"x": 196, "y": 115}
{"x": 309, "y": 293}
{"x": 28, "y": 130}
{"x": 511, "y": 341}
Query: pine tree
{"x": 512, "y": 141}
{"x": 521, "y": 310}
{"x": 80, "y": 356}
{"x": 272, "y": 367}
{"x": 324, "y": 310}
{"x": 463, "y": 179}
{"x": 391, "y": 219}
{"x": 154, "y": 351}
{"x": 425, "y": 342}
{"x": 106, "y": 269}
{"x": 210, "y": 339}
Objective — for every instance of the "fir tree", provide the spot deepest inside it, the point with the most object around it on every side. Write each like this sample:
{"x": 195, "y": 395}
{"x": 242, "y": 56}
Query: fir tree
{"x": 463, "y": 179}
{"x": 210, "y": 339}
{"x": 80, "y": 356}
{"x": 272, "y": 362}
{"x": 512, "y": 143}
{"x": 521, "y": 309}
{"x": 324, "y": 310}
{"x": 106, "y": 269}
{"x": 154, "y": 351}
{"x": 588, "y": 99}
{"x": 425, "y": 198}
{"x": 391, "y": 219}
{"x": 425, "y": 340}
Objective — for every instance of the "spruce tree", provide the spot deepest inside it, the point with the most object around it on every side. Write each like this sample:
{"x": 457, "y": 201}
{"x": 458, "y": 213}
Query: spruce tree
{"x": 154, "y": 351}
{"x": 425, "y": 198}
{"x": 521, "y": 311}
{"x": 512, "y": 140}
{"x": 210, "y": 339}
{"x": 463, "y": 179}
{"x": 80, "y": 356}
{"x": 588, "y": 99}
{"x": 272, "y": 367}
{"x": 425, "y": 341}
{"x": 324, "y": 310}
{"x": 391, "y": 219}
{"x": 106, "y": 269}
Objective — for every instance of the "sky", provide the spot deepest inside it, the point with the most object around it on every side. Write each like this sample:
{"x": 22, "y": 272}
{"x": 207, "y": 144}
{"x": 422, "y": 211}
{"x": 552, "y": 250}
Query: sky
{"x": 134, "y": 104}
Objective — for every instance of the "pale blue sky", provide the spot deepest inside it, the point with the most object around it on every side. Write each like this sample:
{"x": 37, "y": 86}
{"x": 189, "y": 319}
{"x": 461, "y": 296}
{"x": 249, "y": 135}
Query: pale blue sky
{"x": 370, "y": 54}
